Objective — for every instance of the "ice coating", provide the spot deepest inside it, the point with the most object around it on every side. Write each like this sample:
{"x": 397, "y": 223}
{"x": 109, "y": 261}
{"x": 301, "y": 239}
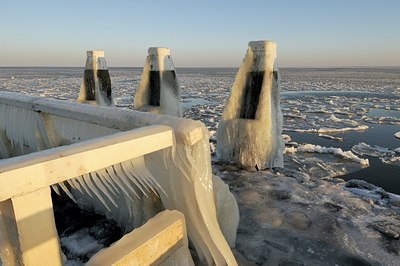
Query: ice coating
{"x": 96, "y": 85}
{"x": 159, "y": 90}
{"x": 128, "y": 192}
{"x": 250, "y": 130}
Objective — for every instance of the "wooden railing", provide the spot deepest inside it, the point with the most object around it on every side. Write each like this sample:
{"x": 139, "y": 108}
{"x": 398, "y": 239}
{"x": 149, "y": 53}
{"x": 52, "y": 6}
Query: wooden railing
{"x": 25, "y": 198}
{"x": 161, "y": 239}
{"x": 49, "y": 123}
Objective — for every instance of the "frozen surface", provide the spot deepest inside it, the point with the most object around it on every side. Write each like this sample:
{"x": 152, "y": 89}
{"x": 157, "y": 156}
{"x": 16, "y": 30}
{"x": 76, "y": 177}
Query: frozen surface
{"x": 291, "y": 217}
{"x": 345, "y": 222}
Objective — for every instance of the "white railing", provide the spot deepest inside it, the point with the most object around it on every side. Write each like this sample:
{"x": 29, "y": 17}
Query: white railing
{"x": 25, "y": 199}
{"x": 183, "y": 172}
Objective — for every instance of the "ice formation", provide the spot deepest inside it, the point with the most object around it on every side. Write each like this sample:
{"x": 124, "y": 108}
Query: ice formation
{"x": 96, "y": 85}
{"x": 386, "y": 155}
{"x": 331, "y": 150}
{"x": 159, "y": 90}
{"x": 397, "y": 135}
{"x": 251, "y": 126}
{"x": 128, "y": 192}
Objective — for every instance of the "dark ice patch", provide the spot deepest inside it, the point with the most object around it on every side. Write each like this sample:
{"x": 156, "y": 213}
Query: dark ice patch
{"x": 167, "y": 77}
{"x": 88, "y": 81}
{"x": 154, "y": 90}
{"x": 105, "y": 84}
{"x": 252, "y": 93}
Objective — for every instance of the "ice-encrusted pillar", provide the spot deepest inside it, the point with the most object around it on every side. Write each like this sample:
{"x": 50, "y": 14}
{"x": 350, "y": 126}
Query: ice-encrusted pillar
{"x": 159, "y": 90}
{"x": 250, "y": 131}
{"x": 96, "y": 85}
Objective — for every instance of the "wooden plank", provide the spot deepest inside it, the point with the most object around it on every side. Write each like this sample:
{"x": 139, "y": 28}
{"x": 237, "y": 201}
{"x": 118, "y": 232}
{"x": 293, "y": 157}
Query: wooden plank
{"x": 31, "y": 229}
{"x": 149, "y": 244}
{"x": 27, "y": 173}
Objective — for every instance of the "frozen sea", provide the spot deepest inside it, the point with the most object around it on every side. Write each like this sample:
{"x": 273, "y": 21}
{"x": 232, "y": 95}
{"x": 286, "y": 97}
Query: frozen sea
{"x": 339, "y": 107}
{"x": 340, "y": 124}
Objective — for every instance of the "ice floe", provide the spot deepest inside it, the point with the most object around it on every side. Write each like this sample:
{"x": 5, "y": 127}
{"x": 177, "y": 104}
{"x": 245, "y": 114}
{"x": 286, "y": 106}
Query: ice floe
{"x": 311, "y": 148}
{"x": 386, "y": 155}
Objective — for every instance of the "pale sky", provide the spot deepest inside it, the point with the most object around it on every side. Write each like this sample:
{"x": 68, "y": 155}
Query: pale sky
{"x": 309, "y": 33}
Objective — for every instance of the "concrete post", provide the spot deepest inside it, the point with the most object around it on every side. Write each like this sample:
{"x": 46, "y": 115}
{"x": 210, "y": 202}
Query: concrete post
{"x": 96, "y": 85}
{"x": 250, "y": 131}
{"x": 31, "y": 230}
{"x": 159, "y": 90}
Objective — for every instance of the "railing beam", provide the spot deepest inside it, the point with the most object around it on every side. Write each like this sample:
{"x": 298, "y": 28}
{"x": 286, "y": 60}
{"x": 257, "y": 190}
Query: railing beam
{"x": 162, "y": 238}
{"x": 27, "y": 173}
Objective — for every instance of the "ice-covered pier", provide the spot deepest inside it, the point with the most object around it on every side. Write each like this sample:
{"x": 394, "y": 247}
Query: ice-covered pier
{"x": 118, "y": 162}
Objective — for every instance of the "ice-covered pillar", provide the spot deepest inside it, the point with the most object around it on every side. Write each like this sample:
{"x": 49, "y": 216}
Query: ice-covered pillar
{"x": 96, "y": 85}
{"x": 159, "y": 90}
{"x": 250, "y": 131}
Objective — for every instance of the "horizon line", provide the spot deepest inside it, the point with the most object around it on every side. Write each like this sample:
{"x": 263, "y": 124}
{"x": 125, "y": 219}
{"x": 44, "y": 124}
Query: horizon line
{"x": 361, "y": 66}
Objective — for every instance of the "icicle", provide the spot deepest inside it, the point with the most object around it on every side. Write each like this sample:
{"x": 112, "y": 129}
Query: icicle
{"x": 105, "y": 178}
{"x": 124, "y": 178}
{"x": 56, "y": 189}
{"x": 125, "y": 169}
{"x": 81, "y": 181}
{"x": 140, "y": 178}
{"x": 96, "y": 191}
{"x": 110, "y": 172}
{"x": 76, "y": 185}
{"x": 66, "y": 190}
{"x": 139, "y": 169}
{"x": 102, "y": 188}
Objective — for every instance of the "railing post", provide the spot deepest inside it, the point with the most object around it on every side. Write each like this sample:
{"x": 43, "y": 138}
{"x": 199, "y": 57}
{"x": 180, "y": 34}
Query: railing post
{"x": 31, "y": 230}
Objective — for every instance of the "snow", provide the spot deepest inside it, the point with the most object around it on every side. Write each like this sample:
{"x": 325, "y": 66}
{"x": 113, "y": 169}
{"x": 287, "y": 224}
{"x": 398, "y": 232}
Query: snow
{"x": 397, "y": 135}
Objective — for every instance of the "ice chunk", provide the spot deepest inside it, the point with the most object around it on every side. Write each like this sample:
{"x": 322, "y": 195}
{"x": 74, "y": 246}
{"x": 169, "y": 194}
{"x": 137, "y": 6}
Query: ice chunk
{"x": 397, "y": 135}
{"x": 384, "y": 154}
{"x": 250, "y": 131}
{"x": 330, "y": 137}
{"x": 374, "y": 151}
{"x": 336, "y": 151}
{"x": 96, "y": 85}
{"x": 159, "y": 91}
